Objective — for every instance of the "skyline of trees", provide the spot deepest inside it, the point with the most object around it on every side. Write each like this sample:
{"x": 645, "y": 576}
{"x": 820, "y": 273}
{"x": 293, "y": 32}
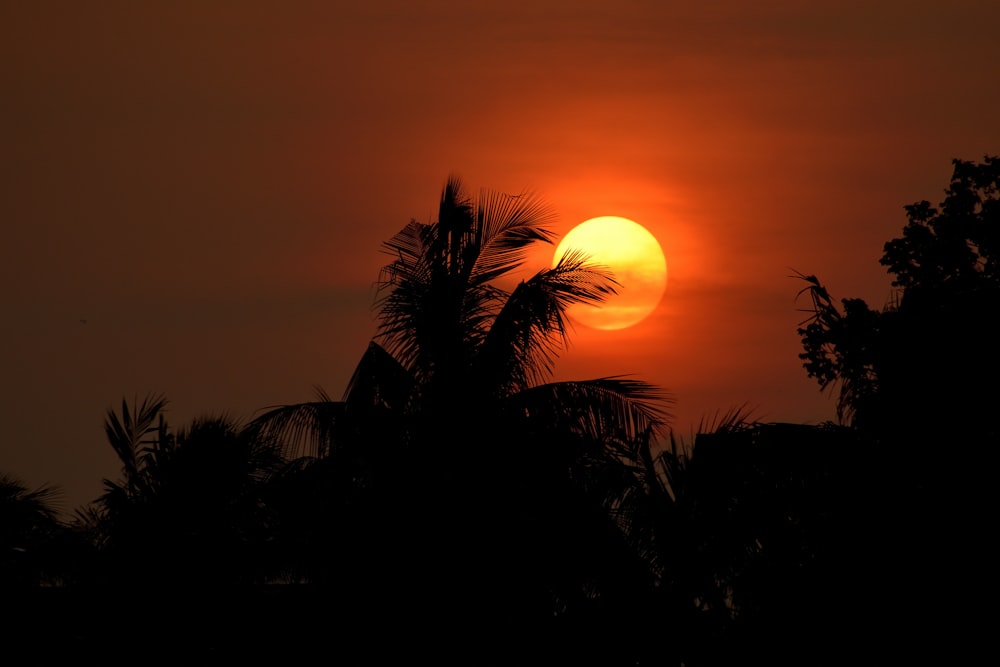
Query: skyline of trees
{"x": 452, "y": 470}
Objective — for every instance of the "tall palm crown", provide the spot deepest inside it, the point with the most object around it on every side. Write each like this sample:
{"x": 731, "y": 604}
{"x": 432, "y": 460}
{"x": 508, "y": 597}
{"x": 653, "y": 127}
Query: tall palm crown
{"x": 450, "y": 341}
{"x": 451, "y": 404}
{"x": 470, "y": 346}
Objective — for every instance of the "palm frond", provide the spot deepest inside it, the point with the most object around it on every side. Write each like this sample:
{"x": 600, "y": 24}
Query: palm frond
{"x": 301, "y": 429}
{"x": 408, "y": 248}
{"x": 506, "y": 225}
{"x": 405, "y": 282}
{"x": 21, "y": 506}
{"x": 531, "y": 328}
{"x": 453, "y": 253}
{"x": 379, "y": 380}
{"x": 435, "y": 299}
{"x": 578, "y": 280}
{"x": 735, "y": 418}
{"x": 425, "y": 308}
{"x": 125, "y": 433}
{"x": 602, "y": 410}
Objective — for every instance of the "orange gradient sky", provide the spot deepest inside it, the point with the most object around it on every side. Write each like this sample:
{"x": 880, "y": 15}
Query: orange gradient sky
{"x": 194, "y": 194}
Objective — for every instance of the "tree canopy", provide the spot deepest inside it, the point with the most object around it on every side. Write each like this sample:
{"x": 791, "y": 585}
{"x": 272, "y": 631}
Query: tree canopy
{"x": 451, "y": 437}
{"x": 917, "y": 382}
{"x": 923, "y": 360}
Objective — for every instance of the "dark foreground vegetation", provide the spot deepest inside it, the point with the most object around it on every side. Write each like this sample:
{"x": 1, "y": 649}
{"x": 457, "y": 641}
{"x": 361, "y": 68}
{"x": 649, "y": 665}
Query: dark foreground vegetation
{"x": 457, "y": 507}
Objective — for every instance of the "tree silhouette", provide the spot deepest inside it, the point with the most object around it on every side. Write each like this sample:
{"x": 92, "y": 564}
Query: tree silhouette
{"x": 189, "y": 508}
{"x": 924, "y": 358}
{"x": 31, "y": 535}
{"x": 917, "y": 382}
{"x": 740, "y": 530}
{"x": 468, "y": 467}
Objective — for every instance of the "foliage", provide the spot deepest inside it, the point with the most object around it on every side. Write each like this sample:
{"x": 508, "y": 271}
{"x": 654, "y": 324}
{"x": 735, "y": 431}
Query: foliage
{"x": 839, "y": 347}
{"x": 917, "y": 381}
{"x": 29, "y": 529}
{"x": 450, "y": 434}
{"x": 956, "y": 248}
{"x": 929, "y": 351}
{"x": 455, "y": 490}
{"x": 189, "y": 506}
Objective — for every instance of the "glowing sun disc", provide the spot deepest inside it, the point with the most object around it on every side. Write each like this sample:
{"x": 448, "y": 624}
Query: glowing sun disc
{"x": 635, "y": 258}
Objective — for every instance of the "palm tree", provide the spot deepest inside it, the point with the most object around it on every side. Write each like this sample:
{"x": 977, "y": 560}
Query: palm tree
{"x": 468, "y": 464}
{"x": 752, "y": 532}
{"x": 30, "y": 530}
{"x": 190, "y": 506}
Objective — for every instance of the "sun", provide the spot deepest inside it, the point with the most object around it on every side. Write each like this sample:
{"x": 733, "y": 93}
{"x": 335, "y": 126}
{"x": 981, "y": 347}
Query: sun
{"x": 635, "y": 258}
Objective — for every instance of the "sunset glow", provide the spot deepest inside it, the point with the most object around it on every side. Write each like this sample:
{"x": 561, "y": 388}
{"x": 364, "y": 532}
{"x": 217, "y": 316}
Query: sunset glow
{"x": 217, "y": 182}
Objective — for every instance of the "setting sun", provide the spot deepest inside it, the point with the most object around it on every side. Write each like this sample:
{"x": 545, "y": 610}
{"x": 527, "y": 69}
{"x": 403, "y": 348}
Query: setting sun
{"x": 635, "y": 258}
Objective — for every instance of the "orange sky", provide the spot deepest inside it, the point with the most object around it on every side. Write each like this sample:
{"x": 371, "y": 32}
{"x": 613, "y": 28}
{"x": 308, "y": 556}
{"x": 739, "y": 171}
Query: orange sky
{"x": 207, "y": 184}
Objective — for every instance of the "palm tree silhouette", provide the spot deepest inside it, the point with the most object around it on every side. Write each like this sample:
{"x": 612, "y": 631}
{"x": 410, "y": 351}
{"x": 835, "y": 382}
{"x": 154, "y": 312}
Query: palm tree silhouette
{"x": 30, "y": 535}
{"x": 460, "y": 469}
{"x": 190, "y": 507}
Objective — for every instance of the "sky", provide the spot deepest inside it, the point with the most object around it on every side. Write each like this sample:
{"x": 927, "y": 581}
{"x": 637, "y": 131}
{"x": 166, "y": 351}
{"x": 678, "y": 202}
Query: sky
{"x": 193, "y": 195}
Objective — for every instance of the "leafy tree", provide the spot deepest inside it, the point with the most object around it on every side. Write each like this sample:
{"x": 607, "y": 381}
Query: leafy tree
{"x": 922, "y": 362}
{"x": 917, "y": 380}
{"x": 467, "y": 464}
